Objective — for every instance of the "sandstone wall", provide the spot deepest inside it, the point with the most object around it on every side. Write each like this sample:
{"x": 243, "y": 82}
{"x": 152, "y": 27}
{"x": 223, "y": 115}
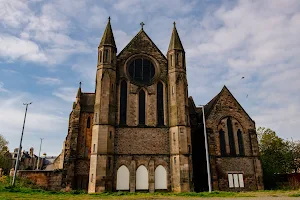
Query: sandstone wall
{"x": 50, "y": 180}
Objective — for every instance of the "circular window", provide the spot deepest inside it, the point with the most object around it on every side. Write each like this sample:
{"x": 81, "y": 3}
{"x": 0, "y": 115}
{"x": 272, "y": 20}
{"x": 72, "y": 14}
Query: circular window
{"x": 141, "y": 70}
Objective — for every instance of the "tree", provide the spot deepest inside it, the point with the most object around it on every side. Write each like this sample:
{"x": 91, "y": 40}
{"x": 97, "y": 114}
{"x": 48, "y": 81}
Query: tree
{"x": 3, "y": 143}
{"x": 5, "y": 157}
{"x": 276, "y": 155}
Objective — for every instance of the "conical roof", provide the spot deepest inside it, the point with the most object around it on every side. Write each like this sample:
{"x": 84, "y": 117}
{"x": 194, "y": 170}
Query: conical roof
{"x": 108, "y": 36}
{"x": 79, "y": 91}
{"x": 175, "y": 42}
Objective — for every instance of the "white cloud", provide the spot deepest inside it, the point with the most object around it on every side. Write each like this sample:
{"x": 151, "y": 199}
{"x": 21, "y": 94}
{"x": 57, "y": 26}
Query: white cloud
{"x": 255, "y": 39}
{"x": 42, "y": 121}
{"x": 223, "y": 41}
{"x": 2, "y": 89}
{"x": 14, "y": 13}
{"x": 48, "y": 80}
{"x": 46, "y": 34}
{"x": 98, "y": 17}
{"x": 13, "y": 48}
{"x": 66, "y": 93}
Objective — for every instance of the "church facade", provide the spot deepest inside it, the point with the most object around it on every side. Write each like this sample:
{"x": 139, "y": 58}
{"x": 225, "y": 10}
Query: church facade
{"x": 140, "y": 131}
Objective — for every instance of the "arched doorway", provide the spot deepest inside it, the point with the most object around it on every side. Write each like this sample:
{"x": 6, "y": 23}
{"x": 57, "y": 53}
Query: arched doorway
{"x": 160, "y": 178}
{"x": 123, "y": 178}
{"x": 142, "y": 178}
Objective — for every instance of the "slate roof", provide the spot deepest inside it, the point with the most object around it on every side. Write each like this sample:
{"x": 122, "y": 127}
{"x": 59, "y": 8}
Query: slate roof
{"x": 175, "y": 42}
{"x": 209, "y": 106}
{"x": 108, "y": 36}
{"x": 135, "y": 38}
{"x": 87, "y": 101}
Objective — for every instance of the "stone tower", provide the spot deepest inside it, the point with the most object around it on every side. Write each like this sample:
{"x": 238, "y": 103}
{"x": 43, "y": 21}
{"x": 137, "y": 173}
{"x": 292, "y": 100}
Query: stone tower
{"x": 100, "y": 176}
{"x": 180, "y": 139}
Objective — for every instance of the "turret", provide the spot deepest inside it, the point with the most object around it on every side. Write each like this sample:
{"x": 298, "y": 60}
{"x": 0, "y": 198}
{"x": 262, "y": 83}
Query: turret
{"x": 107, "y": 49}
{"x": 104, "y": 115}
{"x": 180, "y": 132}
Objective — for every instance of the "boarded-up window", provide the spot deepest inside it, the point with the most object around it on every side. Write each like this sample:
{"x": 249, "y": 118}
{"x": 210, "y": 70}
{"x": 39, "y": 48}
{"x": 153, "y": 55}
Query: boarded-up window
{"x": 241, "y": 143}
{"x": 241, "y": 180}
{"x": 160, "y": 177}
{"x": 142, "y": 106}
{"x": 222, "y": 142}
{"x": 231, "y": 137}
{"x": 230, "y": 180}
{"x": 123, "y": 178}
{"x": 235, "y": 180}
{"x": 142, "y": 182}
{"x": 160, "y": 104}
{"x": 123, "y": 102}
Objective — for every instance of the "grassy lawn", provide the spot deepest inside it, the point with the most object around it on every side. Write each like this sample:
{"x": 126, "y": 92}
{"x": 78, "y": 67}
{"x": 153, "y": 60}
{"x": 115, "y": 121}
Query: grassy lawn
{"x": 27, "y": 190}
{"x": 25, "y": 193}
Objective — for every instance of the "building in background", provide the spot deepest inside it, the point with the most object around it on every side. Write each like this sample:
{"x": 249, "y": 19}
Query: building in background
{"x": 28, "y": 160}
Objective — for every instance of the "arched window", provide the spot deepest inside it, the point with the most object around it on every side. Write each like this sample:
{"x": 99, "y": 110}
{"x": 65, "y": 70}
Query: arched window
{"x": 123, "y": 102}
{"x": 123, "y": 178}
{"x": 160, "y": 104}
{"x": 231, "y": 137}
{"x": 241, "y": 143}
{"x": 106, "y": 55}
{"x": 222, "y": 142}
{"x": 100, "y": 56}
{"x": 142, "y": 106}
{"x": 160, "y": 177}
{"x": 177, "y": 58}
{"x": 88, "y": 123}
{"x": 142, "y": 178}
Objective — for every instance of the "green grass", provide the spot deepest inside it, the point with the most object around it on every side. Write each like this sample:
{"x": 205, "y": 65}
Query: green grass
{"x": 25, "y": 189}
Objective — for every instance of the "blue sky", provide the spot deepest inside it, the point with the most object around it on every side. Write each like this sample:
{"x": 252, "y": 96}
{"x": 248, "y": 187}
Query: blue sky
{"x": 47, "y": 47}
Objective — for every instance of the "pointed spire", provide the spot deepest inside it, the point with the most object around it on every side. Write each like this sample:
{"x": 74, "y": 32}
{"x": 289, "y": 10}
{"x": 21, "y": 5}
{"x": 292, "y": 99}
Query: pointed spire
{"x": 108, "y": 36}
{"x": 79, "y": 91}
{"x": 175, "y": 42}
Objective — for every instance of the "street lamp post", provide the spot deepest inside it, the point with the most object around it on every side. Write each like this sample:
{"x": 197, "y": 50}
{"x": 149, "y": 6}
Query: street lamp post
{"x": 206, "y": 150}
{"x": 38, "y": 162}
{"x": 20, "y": 146}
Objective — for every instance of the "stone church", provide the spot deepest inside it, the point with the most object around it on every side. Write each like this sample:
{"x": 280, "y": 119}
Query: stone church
{"x": 140, "y": 131}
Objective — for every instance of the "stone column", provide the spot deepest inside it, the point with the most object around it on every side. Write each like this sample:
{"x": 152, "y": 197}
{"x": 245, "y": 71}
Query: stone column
{"x": 151, "y": 177}
{"x": 132, "y": 176}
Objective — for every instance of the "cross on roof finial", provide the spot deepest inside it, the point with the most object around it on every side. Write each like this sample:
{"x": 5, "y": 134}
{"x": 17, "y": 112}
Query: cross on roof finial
{"x": 109, "y": 18}
{"x": 79, "y": 84}
{"x": 142, "y": 25}
{"x": 174, "y": 24}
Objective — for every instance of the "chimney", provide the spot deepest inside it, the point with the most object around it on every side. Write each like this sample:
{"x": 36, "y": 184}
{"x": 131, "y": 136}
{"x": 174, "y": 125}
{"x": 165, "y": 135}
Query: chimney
{"x": 31, "y": 152}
